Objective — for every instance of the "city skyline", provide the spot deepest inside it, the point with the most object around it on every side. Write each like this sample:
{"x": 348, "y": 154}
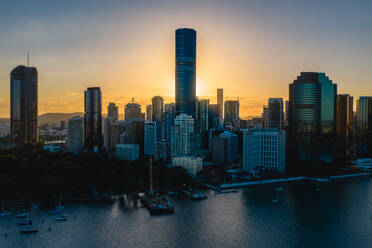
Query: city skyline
{"x": 72, "y": 53}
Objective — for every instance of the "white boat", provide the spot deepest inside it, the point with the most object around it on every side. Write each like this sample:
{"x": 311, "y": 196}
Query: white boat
{"x": 5, "y": 214}
{"x": 61, "y": 217}
{"x": 29, "y": 229}
{"x": 22, "y": 215}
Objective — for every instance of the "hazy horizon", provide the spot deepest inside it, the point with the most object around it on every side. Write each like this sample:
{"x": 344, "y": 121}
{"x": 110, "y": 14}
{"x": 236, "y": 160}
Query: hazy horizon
{"x": 252, "y": 49}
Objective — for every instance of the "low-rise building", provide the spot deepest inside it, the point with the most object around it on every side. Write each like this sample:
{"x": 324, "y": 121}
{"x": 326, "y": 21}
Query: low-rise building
{"x": 128, "y": 152}
{"x": 191, "y": 164}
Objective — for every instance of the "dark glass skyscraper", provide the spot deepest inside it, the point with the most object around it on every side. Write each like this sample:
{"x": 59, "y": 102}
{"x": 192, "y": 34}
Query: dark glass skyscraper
{"x": 93, "y": 119}
{"x": 23, "y": 105}
{"x": 312, "y": 119}
{"x": 185, "y": 71}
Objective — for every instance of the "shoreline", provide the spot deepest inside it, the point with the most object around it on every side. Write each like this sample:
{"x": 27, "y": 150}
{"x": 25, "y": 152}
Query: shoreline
{"x": 291, "y": 179}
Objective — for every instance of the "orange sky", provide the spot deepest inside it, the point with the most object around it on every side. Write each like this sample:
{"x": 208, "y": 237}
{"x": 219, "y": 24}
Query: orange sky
{"x": 252, "y": 50}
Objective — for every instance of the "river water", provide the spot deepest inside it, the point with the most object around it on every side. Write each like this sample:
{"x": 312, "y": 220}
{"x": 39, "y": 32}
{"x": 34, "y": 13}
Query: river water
{"x": 338, "y": 215}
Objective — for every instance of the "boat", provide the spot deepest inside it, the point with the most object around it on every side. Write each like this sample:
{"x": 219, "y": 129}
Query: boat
{"x": 55, "y": 211}
{"x": 5, "y": 214}
{"x": 22, "y": 215}
{"x": 61, "y": 217}
{"x": 226, "y": 192}
{"x": 275, "y": 201}
{"x": 279, "y": 188}
{"x": 25, "y": 223}
{"x": 196, "y": 195}
{"x": 29, "y": 229}
{"x": 157, "y": 205}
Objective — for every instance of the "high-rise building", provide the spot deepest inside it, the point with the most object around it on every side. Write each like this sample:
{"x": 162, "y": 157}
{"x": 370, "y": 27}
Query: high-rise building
{"x": 220, "y": 101}
{"x": 75, "y": 140}
{"x": 24, "y": 105}
{"x": 157, "y": 108}
{"x": 133, "y": 112}
{"x": 150, "y": 138}
{"x": 265, "y": 115}
{"x": 275, "y": 113}
{"x": 191, "y": 164}
{"x": 169, "y": 115}
{"x": 214, "y": 120}
{"x": 312, "y": 120}
{"x": 364, "y": 125}
{"x": 201, "y": 116}
{"x": 264, "y": 149}
{"x": 225, "y": 147}
{"x": 149, "y": 113}
{"x": 93, "y": 119}
{"x": 344, "y": 126}
{"x": 231, "y": 111}
{"x": 181, "y": 135}
{"x": 162, "y": 151}
{"x": 185, "y": 71}
{"x": 134, "y": 134}
{"x": 106, "y": 133}
{"x": 112, "y": 112}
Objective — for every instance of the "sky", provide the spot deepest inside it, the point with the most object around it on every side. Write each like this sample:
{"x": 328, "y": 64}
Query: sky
{"x": 251, "y": 49}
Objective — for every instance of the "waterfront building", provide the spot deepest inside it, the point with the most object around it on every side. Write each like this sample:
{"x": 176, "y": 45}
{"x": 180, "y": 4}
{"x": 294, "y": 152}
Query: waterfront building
{"x": 232, "y": 111}
{"x": 344, "y": 126}
{"x": 129, "y": 152}
{"x": 150, "y": 138}
{"x": 312, "y": 119}
{"x": 24, "y": 105}
{"x": 220, "y": 102}
{"x": 225, "y": 147}
{"x": 185, "y": 71}
{"x": 133, "y": 111}
{"x": 264, "y": 149}
{"x": 149, "y": 113}
{"x": 364, "y": 128}
{"x": 75, "y": 140}
{"x": 93, "y": 119}
{"x": 275, "y": 113}
{"x": 191, "y": 164}
{"x": 181, "y": 135}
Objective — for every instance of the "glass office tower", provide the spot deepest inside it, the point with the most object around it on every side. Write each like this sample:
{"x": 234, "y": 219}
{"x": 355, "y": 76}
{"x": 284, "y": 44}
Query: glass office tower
{"x": 312, "y": 116}
{"x": 23, "y": 105}
{"x": 185, "y": 71}
{"x": 93, "y": 119}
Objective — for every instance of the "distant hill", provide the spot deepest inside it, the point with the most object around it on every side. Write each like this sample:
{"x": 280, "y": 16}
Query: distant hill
{"x": 57, "y": 117}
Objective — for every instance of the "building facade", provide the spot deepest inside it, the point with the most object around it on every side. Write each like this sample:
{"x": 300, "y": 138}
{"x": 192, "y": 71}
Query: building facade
{"x": 129, "y": 152}
{"x": 275, "y": 113}
{"x": 181, "y": 135}
{"x": 231, "y": 111}
{"x": 133, "y": 112}
{"x": 364, "y": 125}
{"x": 185, "y": 71}
{"x": 264, "y": 149}
{"x": 191, "y": 164}
{"x": 220, "y": 102}
{"x": 150, "y": 138}
{"x": 24, "y": 105}
{"x": 75, "y": 138}
{"x": 93, "y": 119}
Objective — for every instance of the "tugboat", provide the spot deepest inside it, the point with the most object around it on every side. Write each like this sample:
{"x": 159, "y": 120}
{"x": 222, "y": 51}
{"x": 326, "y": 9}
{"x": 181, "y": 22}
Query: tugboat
{"x": 195, "y": 195}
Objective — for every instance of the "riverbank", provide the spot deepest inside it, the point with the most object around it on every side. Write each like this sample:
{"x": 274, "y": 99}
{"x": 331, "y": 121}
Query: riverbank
{"x": 291, "y": 179}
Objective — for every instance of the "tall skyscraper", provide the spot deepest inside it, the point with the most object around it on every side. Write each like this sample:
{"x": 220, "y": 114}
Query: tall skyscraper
{"x": 185, "y": 71}
{"x": 220, "y": 101}
{"x": 364, "y": 122}
{"x": 181, "y": 135}
{"x": 24, "y": 105}
{"x": 133, "y": 112}
{"x": 93, "y": 119}
{"x": 201, "y": 116}
{"x": 214, "y": 120}
{"x": 265, "y": 115}
{"x": 157, "y": 108}
{"x": 112, "y": 112}
{"x": 75, "y": 140}
{"x": 134, "y": 133}
{"x": 231, "y": 111}
{"x": 312, "y": 120}
{"x": 275, "y": 115}
{"x": 150, "y": 138}
{"x": 149, "y": 113}
{"x": 344, "y": 126}
{"x": 169, "y": 115}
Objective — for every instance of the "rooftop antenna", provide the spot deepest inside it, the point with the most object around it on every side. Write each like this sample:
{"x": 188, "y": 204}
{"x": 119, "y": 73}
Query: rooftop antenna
{"x": 28, "y": 59}
{"x": 132, "y": 99}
